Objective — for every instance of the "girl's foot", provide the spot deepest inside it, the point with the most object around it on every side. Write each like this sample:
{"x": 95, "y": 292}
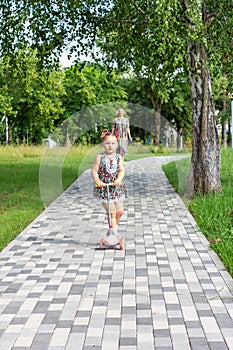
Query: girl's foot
{"x": 111, "y": 240}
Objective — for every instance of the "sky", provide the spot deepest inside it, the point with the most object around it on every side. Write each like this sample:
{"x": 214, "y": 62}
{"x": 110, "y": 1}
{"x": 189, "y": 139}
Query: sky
{"x": 64, "y": 61}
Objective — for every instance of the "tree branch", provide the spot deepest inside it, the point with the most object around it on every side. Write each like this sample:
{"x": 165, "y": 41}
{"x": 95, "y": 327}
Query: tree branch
{"x": 184, "y": 4}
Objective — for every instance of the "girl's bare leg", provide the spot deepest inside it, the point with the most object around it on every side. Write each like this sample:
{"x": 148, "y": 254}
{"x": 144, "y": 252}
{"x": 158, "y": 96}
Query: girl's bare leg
{"x": 113, "y": 213}
{"x": 111, "y": 237}
{"x": 119, "y": 208}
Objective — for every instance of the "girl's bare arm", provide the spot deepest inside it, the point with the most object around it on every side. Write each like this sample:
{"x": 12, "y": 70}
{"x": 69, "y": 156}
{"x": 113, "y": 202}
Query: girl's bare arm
{"x": 121, "y": 174}
{"x": 128, "y": 131}
{"x": 94, "y": 172}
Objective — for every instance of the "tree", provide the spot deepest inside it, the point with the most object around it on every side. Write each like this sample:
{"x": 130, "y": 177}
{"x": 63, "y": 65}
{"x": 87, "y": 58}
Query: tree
{"x": 221, "y": 90}
{"x": 205, "y": 164}
{"x": 88, "y": 86}
{"x": 42, "y": 25}
{"x": 49, "y": 25}
{"x": 156, "y": 38}
{"x": 178, "y": 109}
{"x": 136, "y": 41}
{"x": 191, "y": 29}
{"x": 30, "y": 96}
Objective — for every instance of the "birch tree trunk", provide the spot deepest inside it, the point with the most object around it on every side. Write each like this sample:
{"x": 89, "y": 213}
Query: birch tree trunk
{"x": 9, "y": 128}
{"x": 205, "y": 162}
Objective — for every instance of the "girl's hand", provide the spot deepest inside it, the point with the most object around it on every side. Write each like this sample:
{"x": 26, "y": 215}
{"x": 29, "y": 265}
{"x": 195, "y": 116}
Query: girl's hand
{"x": 116, "y": 183}
{"x": 99, "y": 184}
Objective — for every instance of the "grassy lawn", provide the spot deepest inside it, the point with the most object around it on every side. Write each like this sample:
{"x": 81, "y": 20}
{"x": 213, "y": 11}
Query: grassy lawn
{"x": 20, "y": 188}
{"x": 32, "y": 177}
{"x": 213, "y": 213}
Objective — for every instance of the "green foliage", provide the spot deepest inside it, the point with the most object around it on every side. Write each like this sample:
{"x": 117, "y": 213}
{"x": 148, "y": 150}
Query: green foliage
{"x": 158, "y": 41}
{"x": 149, "y": 37}
{"x": 92, "y": 96}
{"x": 135, "y": 90}
{"x": 30, "y": 95}
{"x": 42, "y": 25}
{"x": 178, "y": 109}
{"x": 88, "y": 85}
{"x": 136, "y": 39}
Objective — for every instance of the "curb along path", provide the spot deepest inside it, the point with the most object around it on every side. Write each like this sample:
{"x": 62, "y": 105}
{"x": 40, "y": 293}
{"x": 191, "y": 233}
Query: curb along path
{"x": 166, "y": 290}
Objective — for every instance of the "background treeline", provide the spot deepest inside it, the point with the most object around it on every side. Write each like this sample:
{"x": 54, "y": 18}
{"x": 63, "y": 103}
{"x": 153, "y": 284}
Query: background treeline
{"x": 36, "y": 99}
{"x": 177, "y": 51}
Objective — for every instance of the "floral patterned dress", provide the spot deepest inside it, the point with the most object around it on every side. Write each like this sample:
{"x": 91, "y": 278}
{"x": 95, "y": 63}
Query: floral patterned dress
{"x": 120, "y": 125}
{"x": 108, "y": 171}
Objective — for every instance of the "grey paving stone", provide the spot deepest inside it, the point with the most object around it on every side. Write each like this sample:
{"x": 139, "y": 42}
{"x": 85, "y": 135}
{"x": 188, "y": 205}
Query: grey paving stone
{"x": 41, "y": 307}
{"x": 79, "y": 329}
{"x": 218, "y": 346}
{"x": 51, "y": 317}
{"x": 128, "y": 341}
{"x": 144, "y": 321}
{"x": 199, "y": 343}
{"x": 19, "y": 320}
{"x": 165, "y": 291}
{"x": 175, "y": 321}
{"x": 64, "y": 324}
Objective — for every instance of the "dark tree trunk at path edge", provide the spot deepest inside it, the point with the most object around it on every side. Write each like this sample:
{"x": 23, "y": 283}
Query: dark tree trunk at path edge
{"x": 205, "y": 163}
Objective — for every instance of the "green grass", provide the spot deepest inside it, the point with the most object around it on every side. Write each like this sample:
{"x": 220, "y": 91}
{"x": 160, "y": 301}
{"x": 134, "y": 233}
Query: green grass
{"x": 213, "y": 213}
{"x": 20, "y": 197}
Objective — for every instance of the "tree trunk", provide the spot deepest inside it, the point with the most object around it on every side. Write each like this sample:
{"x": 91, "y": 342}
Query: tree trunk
{"x": 179, "y": 142}
{"x": 224, "y": 133}
{"x": 9, "y": 130}
{"x": 157, "y": 112}
{"x": 229, "y": 133}
{"x": 205, "y": 163}
{"x": 157, "y": 106}
{"x": 157, "y": 127}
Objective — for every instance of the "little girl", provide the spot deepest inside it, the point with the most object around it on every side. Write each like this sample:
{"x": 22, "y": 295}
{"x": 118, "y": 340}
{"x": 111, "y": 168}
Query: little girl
{"x": 108, "y": 168}
{"x": 120, "y": 128}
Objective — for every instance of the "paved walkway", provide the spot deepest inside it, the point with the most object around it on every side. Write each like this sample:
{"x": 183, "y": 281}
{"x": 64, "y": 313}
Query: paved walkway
{"x": 166, "y": 290}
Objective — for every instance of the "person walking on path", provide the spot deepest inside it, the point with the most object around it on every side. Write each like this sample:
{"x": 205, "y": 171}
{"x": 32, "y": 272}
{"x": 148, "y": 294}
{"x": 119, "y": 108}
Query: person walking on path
{"x": 108, "y": 170}
{"x": 120, "y": 128}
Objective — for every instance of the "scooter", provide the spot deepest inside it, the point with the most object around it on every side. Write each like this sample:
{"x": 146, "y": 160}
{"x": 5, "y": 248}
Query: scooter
{"x": 112, "y": 240}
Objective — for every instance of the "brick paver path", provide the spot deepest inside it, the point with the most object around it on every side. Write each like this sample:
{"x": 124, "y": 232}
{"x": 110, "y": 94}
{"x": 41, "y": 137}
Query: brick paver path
{"x": 166, "y": 290}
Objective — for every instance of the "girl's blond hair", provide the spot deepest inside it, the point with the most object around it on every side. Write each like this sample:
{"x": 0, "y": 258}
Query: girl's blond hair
{"x": 105, "y": 133}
